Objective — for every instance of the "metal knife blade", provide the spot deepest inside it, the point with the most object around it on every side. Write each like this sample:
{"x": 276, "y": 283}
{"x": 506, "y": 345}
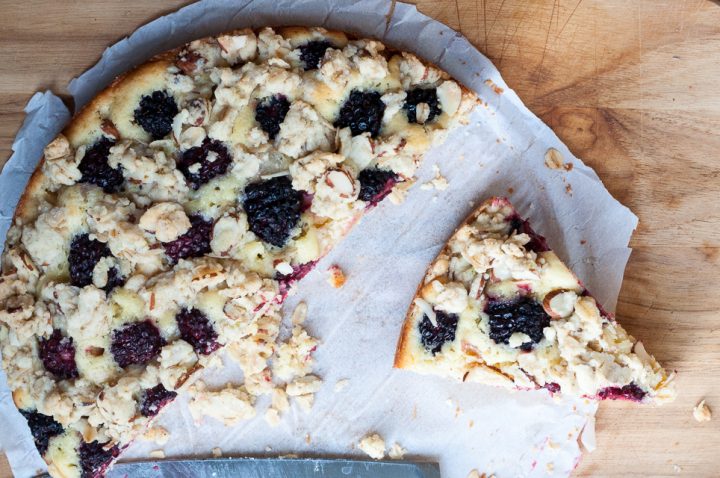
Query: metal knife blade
{"x": 274, "y": 468}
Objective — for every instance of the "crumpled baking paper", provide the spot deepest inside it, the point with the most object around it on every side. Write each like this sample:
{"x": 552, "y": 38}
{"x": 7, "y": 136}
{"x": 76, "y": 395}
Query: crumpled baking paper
{"x": 501, "y": 152}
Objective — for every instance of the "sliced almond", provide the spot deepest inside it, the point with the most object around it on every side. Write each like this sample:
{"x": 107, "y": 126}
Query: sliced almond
{"x": 560, "y": 303}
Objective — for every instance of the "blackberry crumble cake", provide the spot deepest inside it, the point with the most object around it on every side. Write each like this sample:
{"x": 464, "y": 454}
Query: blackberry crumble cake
{"x": 176, "y": 211}
{"x": 498, "y": 307}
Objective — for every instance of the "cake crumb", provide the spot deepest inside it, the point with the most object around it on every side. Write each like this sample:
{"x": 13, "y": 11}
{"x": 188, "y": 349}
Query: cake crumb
{"x": 477, "y": 474}
{"x": 217, "y": 452}
{"x": 159, "y": 454}
{"x": 374, "y": 446}
{"x": 702, "y": 412}
{"x": 299, "y": 314}
{"x": 550, "y": 468}
{"x": 677, "y": 468}
{"x": 553, "y": 159}
{"x": 305, "y": 402}
{"x": 439, "y": 182}
{"x": 158, "y": 435}
{"x": 336, "y": 278}
{"x": 340, "y": 385}
{"x": 397, "y": 452}
{"x": 399, "y": 192}
{"x": 268, "y": 448}
{"x": 307, "y": 438}
{"x": 272, "y": 417}
{"x": 496, "y": 89}
{"x": 229, "y": 405}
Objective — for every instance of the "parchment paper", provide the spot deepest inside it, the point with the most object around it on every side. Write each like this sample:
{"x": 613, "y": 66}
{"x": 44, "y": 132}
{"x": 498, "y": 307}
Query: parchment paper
{"x": 501, "y": 152}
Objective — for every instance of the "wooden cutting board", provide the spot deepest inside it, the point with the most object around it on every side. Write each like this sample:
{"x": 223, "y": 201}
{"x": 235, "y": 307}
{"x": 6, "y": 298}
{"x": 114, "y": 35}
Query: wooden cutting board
{"x": 630, "y": 86}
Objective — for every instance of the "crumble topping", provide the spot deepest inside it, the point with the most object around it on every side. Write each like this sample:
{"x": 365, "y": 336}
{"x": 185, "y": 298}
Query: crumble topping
{"x": 373, "y": 445}
{"x": 229, "y": 405}
{"x": 701, "y": 412}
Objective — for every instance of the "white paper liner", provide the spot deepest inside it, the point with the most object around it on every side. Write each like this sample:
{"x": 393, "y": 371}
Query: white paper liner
{"x": 385, "y": 256}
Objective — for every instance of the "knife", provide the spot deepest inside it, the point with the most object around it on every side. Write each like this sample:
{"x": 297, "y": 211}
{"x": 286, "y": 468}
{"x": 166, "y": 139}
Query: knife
{"x": 273, "y": 468}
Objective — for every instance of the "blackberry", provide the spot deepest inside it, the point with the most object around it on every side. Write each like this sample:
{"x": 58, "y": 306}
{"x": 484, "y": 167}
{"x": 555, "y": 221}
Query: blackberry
{"x": 42, "y": 427}
{"x": 362, "y": 112}
{"x": 270, "y": 113}
{"x": 523, "y": 315}
{"x": 96, "y": 170}
{"x": 537, "y": 242}
{"x": 273, "y": 209}
{"x": 375, "y": 184}
{"x": 421, "y": 95}
{"x": 154, "y": 399}
{"x": 197, "y": 330}
{"x": 194, "y": 243}
{"x": 155, "y": 113}
{"x": 201, "y": 155}
{"x": 136, "y": 343}
{"x": 94, "y": 459}
{"x": 312, "y": 52}
{"x": 58, "y": 355}
{"x": 84, "y": 255}
{"x": 628, "y": 392}
{"x": 114, "y": 280}
{"x": 433, "y": 337}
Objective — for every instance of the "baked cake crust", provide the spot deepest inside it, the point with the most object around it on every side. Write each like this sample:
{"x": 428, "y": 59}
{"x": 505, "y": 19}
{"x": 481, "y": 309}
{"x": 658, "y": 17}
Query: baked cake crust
{"x": 179, "y": 207}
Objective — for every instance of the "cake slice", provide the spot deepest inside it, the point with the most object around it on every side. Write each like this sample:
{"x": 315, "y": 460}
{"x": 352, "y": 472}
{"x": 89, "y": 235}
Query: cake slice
{"x": 498, "y": 307}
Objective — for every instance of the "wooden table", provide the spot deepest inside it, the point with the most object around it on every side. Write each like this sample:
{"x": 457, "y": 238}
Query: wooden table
{"x": 630, "y": 86}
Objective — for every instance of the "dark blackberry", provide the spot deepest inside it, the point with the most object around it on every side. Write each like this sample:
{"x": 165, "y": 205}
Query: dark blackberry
{"x": 197, "y": 330}
{"x": 433, "y": 337}
{"x": 362, "y": 112}
{"x": 628, "y": 392}
{"x": 42, "y": 427}
{"x": 273, "y": 209}
{"x": 96, "y": 170}
{"x": 194, "y": 243}
{"x": 421, "y": 95}
{"x": 208, "y": 169}
{"x": 115, "y": 279}
{"x": 83, "y": 257}
{"x": 155, "y": 113}
{"x": 523, "y": 315}
{"x": 58, "y": 355}
{"x": 94, "y": 459}
{"x": 136, "y": 343}
{"x": 375, "y": 184}
{"x": 312, "y": 52}
{"x": 537, "y": 242}
{"x": 155, "y": 399}
{"x": 270, "y": 113}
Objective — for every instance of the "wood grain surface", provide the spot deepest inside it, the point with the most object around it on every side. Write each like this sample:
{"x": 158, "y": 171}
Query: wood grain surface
{"x": 630, "y": 86}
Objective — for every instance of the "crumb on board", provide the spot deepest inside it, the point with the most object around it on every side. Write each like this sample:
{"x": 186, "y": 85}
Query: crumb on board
{"x": 373, "y": 445}
{"x": 496, "y": 89}
{"x": 217, "y": 452}
{"x": 550, "y": 468}
{"x": 677, "y": 468}
{"x": 438, "y": 182}
{"x": 702, "y": 412}
{"x": 340, "y": 385}
{"x": 477, "y": 474}
{"x": 299, "y": 314}
{"x": 553, "y": 159}
{"x": 396, "y": 452}
{"x": 158, "y": 454}
{"x": 336, "y": 278}
{"x": 157, "y": 434}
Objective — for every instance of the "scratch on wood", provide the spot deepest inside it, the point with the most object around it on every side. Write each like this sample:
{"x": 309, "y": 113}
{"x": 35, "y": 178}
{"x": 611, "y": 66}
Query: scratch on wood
{"x": 568, "y": 18}
{"x": 457, "y": 12}
{"x": 388, "y": 17}
{"x": 545, "y": 47}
